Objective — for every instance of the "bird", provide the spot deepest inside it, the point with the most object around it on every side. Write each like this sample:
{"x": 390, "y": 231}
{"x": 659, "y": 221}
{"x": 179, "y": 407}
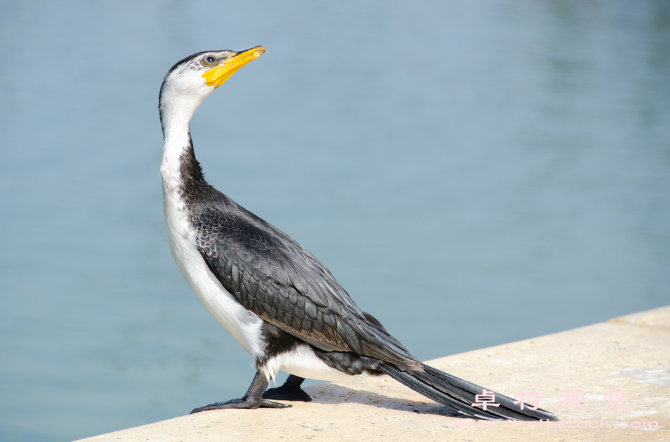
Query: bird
{"x": 271, "y": 294}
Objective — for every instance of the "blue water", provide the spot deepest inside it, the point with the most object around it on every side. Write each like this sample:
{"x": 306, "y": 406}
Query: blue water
{"x": 473, "y": 173}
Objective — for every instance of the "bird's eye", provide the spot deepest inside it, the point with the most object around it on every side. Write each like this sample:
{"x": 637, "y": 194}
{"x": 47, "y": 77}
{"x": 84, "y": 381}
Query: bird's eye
{"x": 209, "y": 60}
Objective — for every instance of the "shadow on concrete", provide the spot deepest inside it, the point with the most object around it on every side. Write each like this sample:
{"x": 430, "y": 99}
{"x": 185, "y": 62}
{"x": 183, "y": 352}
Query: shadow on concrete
{"x": 340, "y": 394}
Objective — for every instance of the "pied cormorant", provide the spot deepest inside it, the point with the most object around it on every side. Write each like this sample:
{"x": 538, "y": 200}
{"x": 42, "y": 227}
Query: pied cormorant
{"x": 278, "y": 301}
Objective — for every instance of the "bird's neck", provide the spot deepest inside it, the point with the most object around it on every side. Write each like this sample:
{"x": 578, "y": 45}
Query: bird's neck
{"x": 182, "y": 175}
{"x": 179, "y": 167}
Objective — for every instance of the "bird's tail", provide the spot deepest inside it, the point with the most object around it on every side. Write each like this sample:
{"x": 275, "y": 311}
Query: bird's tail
{"x": 461, "y": 395}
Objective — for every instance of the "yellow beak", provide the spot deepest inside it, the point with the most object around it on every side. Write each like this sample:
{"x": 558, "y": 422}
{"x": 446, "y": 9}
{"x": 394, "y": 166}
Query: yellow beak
{"x": 218, "y": 75}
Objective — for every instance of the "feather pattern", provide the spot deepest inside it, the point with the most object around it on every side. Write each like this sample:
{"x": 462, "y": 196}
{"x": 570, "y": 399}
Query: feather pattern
{"x": 273, "y": 276}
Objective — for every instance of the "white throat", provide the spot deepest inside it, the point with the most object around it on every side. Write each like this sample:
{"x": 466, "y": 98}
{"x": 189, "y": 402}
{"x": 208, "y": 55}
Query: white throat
{"x": 178, "y": 102}
{"x": 177, "y": 105}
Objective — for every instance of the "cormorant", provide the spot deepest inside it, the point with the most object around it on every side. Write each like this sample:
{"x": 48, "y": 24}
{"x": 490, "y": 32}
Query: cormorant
{"x": 278, "y": 301}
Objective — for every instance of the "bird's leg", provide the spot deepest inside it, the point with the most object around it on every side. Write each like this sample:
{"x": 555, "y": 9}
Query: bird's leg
{"x": 290, "y": 391}
{"x": 252, "y": 399}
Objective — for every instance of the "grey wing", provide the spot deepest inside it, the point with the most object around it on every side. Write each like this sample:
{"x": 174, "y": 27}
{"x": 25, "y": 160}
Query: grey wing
{"x": 273, "y": 276}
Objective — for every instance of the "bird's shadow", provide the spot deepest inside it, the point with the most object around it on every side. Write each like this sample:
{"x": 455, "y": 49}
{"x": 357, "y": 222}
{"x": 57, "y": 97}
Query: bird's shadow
{"x": 337, "y": 394}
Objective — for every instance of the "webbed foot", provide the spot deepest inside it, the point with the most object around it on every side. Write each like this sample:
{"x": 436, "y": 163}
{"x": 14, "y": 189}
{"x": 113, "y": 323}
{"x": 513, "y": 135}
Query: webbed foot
{"x": 253, "y": 398}
{"x": 243, "y": 403}
{"x": 290, "y": 391}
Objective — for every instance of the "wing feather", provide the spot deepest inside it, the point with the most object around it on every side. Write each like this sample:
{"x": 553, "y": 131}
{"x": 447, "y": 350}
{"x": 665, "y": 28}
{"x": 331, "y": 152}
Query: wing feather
{"x": 275, "y": 277}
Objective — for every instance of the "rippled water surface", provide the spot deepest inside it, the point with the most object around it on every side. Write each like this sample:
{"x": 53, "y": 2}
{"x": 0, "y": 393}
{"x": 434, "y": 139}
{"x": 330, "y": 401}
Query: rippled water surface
{"x": 473, "y": 173}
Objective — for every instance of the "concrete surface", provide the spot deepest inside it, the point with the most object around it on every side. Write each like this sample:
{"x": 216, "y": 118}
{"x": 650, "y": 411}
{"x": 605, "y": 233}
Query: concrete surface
{"x": 629, "y": 355}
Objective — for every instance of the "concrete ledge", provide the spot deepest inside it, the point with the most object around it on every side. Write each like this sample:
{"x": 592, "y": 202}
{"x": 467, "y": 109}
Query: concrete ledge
{"x": 630, "y": 354}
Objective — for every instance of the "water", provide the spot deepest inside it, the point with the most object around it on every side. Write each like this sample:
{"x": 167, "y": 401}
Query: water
{"x": 472, "y": 172}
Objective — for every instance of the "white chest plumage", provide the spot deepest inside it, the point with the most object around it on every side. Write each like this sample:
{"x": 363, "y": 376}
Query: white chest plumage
{"x": 244, "y": 325}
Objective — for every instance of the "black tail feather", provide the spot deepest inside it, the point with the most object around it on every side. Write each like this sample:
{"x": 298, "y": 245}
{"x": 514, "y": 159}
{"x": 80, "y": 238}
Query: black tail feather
{"x": 460, "y": 394}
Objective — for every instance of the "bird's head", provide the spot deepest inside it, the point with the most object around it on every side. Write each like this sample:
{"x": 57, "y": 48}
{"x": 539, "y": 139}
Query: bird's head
{"x": 194, "y": 78}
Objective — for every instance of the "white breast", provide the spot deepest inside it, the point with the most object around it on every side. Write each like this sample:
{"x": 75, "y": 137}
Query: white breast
{"x": 245, "y": 326}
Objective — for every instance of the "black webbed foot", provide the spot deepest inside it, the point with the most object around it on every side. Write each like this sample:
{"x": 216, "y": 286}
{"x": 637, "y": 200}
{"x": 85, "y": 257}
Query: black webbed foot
{"x": 253, "y": 398}
{"x": 290, "y": 391}
{"x": 244, "y": 403}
